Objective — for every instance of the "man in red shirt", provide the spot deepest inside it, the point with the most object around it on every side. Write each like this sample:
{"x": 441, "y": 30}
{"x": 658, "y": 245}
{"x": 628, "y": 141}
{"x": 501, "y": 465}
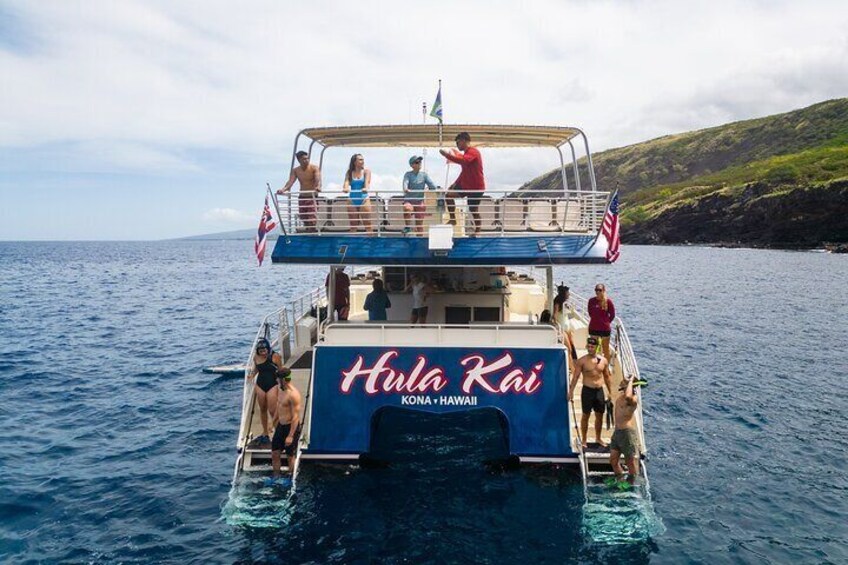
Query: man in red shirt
{"x": 470, "y": 183}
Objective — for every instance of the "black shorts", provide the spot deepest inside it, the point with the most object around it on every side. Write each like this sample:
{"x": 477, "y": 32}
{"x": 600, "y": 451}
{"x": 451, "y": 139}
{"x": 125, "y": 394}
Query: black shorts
{"x": 591, "y": 399}
{"x": 280, "y": 435}
{"x": 418, "y": 312}
{"x": 472, "y": 196}
{"x": 600, "y": 333}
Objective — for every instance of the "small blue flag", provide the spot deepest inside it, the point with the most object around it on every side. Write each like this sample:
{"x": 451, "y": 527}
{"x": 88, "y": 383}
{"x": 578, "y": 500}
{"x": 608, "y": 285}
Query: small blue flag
{"x": 436, "y": 112}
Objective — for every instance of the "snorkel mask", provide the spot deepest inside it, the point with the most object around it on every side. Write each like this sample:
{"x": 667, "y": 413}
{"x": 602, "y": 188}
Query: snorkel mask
{"x": 284, "y": 374}
{"x": 593, "y": 345}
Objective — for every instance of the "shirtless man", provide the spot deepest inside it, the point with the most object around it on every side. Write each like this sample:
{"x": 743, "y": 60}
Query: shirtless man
{"x": 309, "y": 177}
{"x": 595, "y": 370}
{"x": 625, "y": 439}
{"x": 287, "y": 432}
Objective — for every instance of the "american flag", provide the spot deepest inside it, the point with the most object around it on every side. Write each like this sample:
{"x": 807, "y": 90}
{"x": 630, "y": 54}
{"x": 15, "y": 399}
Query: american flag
{"x": 610, "y": 230}
{"x": 266, "y": 224}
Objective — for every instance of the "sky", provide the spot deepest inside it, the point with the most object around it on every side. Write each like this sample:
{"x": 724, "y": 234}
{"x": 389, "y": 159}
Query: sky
{"x": 126, "y": 120}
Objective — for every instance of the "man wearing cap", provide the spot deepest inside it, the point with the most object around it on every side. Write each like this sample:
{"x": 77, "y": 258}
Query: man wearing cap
{"x": 595, "y": 370}
{"x": 470, "y": 183}
{"x": 414, "y": 183}
{"x": 625, "y": 438}
{"x": 287, "y": 429}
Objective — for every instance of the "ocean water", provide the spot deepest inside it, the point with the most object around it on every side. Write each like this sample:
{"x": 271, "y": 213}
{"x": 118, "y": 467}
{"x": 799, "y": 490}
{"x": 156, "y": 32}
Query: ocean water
{"x": 114, "y": 447}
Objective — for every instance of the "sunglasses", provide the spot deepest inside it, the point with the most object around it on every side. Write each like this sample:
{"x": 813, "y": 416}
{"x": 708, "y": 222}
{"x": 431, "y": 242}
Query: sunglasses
{"x": 599, "y": 290}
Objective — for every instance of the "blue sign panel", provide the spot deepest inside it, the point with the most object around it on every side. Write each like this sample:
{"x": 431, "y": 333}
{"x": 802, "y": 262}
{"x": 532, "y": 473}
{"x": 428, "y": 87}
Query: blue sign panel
{"x": 527, "y": 385}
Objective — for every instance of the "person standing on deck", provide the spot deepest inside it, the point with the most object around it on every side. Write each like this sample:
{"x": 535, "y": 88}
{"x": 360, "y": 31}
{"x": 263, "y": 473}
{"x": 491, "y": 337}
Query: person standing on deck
{"x": 377, "y": 302}
{"x": 414, "y": 184}
{"x": 357, "y": 181}
{"x": 595, "y": 370}
{"x": 601, "y": 314}
{"x": 309, "y": 177}
{"x": 420, "y": 291}
{"x": 265, "y": 364}
{"x": 625, "y": 438}
{"x": 563, "y": 311}
{"x": 470, "y": 183}
{"x": 341, "y": 299}
{"x": 287, "y": 430}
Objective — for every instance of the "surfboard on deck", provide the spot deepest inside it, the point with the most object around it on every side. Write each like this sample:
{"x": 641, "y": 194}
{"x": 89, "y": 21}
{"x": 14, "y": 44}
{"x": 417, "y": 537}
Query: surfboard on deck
{"x": 233, "y": 370}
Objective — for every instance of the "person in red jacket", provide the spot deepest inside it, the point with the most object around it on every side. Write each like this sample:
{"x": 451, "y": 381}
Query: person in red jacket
{"x": 601, "y": 314}
{"x": 470, "y": 183}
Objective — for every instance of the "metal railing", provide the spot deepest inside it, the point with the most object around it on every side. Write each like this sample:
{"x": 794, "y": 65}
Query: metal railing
{"x": 498, "y": 213}
{"x": 276, "y": 329}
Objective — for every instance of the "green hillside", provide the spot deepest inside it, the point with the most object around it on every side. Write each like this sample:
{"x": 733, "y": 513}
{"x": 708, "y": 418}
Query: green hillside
{"x": 670, "y": 186}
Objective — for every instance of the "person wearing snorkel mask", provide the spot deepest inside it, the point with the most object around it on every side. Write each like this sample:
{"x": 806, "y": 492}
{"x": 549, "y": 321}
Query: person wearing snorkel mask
{"x": 287, "y": 420}
{"x": 265, "y": 363}
{"x": 594, "y": 369}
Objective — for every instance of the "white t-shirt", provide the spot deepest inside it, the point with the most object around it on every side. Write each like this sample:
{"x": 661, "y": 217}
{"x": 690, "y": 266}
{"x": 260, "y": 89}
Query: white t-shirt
{"x": 418, "y": 297}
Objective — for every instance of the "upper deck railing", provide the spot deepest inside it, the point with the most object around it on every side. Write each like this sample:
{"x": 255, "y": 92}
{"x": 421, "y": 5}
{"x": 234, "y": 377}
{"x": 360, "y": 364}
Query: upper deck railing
{"x": 501, "y": 213}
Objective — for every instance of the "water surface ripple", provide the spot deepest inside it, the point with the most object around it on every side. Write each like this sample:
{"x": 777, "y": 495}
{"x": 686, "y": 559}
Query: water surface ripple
{"x": 114, "y": 447}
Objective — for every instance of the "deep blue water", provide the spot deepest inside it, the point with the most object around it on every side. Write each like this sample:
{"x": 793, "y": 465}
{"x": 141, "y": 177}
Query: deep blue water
{"x": 114, "y": 447}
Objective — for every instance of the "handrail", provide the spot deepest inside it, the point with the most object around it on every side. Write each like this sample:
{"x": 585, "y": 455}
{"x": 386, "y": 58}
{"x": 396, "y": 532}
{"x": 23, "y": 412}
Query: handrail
{"x": 503, "y": 213}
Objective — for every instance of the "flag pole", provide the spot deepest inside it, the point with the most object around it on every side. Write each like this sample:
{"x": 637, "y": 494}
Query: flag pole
{"x": 424, "y": 121}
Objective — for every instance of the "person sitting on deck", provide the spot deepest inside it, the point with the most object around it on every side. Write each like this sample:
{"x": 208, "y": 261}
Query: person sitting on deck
{"x": 563, "y": 312}
{"x": 625, "y": 438}
{"x": 309, "y": 177}
{"x": 595, "y": 370}
{"x": 414, "y": 183}
{"x": 470, "y": 183}
{"x": 288, "y": 426}
{"x": 265, "y": 388}
{"x": 357, "y": 181}
{"x": 377, "y": 301}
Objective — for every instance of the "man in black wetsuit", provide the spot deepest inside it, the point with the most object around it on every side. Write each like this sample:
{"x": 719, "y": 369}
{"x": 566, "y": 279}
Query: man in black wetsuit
{"x": 265, "y": 387}
{"x": 594, "y": 368}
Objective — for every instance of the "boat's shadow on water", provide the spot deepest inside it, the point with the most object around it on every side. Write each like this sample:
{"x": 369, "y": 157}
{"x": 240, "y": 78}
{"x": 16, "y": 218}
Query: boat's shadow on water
{"x": 440, "y": 499}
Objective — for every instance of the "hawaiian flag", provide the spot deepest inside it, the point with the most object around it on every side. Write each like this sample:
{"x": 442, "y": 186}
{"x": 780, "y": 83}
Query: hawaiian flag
{"x": 266, "y": 224}
{"x": 436, "y": 111}
{"x": 610, "y": 230}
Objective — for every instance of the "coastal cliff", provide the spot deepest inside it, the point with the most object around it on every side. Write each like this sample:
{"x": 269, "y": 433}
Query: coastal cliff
{"x": 779, "y": 181}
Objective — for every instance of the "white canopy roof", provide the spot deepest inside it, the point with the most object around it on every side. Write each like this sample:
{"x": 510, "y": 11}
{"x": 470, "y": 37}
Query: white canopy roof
{"x": 427, "y": 135}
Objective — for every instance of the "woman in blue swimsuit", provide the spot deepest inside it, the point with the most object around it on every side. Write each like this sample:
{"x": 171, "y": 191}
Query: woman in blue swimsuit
{"x": 357, "y": 181}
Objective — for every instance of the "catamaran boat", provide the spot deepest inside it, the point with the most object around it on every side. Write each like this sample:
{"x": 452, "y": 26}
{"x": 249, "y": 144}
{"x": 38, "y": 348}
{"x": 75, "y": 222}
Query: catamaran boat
{"x": 482, "y": 346}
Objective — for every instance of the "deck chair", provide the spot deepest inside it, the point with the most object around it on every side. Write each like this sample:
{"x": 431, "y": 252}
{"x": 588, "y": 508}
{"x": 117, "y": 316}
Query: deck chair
{"x": 540, "y": 216}
{"x": 512, "y": 214}
{"x": 568, "y": 213}
{"x": 489, "y": 221}
{"x": 394, "y": 214}
{"x": 338, "y": 219}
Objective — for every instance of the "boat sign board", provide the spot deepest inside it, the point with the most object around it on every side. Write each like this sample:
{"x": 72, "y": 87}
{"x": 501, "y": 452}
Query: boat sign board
{"x": 528, "y": 385}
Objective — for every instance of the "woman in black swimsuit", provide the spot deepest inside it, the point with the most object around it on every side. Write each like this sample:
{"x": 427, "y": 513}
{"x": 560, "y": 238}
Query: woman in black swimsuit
{"x": 265, "y": 387}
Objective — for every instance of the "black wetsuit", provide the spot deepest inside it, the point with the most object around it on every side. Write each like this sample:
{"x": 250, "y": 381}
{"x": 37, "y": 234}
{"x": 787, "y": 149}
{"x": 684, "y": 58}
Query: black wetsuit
{"x": 266, "y": 379}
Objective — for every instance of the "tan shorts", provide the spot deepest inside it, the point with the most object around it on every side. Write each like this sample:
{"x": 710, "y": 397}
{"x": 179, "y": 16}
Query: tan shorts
{"x": 626, "y": 441}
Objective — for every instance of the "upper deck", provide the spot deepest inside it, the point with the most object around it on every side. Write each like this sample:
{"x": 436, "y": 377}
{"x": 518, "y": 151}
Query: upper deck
{"x": 550, "y": 225}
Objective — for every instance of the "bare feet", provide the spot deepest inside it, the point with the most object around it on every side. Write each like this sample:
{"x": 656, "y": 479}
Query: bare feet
{"x": 601, "y": 443}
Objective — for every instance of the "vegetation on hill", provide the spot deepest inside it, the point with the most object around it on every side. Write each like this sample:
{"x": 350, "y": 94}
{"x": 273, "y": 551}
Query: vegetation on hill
{"x": 732, "y": 165}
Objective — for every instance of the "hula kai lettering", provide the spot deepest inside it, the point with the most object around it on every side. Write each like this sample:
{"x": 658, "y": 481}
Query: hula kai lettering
{"x": 497, "y": 376}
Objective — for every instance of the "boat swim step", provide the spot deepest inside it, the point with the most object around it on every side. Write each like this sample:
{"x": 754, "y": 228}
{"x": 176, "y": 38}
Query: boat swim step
{"x": 601, "y": 473}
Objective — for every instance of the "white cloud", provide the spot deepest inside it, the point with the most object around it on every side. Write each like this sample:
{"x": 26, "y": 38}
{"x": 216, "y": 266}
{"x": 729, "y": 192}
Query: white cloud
{"x": 228, "y": 216}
